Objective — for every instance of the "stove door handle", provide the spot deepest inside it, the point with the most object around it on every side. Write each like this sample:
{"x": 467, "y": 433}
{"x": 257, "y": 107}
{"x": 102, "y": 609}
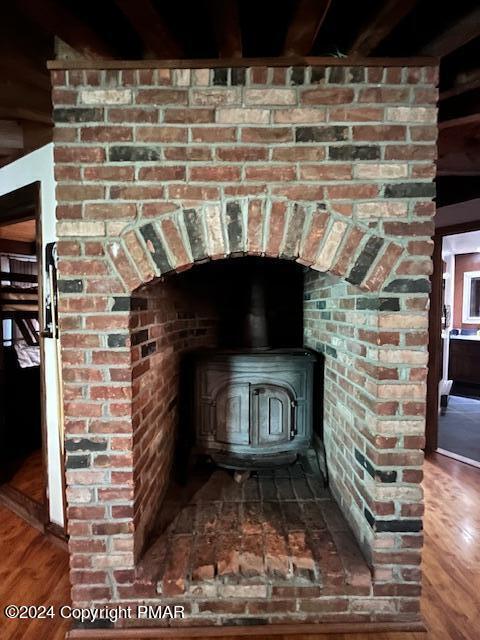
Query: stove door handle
{"x": 293, "y": 419}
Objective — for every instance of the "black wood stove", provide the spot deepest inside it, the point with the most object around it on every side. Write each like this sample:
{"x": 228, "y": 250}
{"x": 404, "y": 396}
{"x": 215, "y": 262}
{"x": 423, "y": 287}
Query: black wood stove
{"x": 253, "y": 405}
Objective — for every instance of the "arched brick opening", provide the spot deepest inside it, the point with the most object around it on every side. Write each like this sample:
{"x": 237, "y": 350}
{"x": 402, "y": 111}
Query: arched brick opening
{"x": 315, "y": 235}
{"x": 346, "y": 260}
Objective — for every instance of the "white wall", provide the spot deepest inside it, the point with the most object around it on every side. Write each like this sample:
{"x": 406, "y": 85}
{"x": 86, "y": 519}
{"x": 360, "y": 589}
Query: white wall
{"x": 38, "y": 166}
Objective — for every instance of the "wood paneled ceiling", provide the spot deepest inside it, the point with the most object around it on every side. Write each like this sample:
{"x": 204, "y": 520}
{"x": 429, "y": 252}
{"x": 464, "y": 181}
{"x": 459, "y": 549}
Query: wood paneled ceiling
{"x": 232, "y": 29}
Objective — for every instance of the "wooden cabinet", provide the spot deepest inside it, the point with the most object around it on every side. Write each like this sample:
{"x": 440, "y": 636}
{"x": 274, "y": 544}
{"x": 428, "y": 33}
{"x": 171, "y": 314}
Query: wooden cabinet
{"x": 464, "y": 361}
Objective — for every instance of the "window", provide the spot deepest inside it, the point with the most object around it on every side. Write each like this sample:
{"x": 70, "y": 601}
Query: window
{"x": 471, "y": 297}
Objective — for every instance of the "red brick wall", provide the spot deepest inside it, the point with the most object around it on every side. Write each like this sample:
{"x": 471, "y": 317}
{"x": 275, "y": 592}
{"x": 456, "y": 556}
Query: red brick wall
{"x": 331, "y": 166}
{"x": 166, "y": 322}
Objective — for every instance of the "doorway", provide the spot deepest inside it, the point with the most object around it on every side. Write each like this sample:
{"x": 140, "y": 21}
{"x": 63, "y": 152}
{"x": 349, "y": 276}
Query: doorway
{"x": 453, "y": 426}
{"x": 22, "y": 426}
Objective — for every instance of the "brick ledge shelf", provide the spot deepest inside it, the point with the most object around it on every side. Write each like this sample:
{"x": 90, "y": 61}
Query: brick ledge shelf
{"x": 256, "y": 631}
{"x": 212, "y": 63}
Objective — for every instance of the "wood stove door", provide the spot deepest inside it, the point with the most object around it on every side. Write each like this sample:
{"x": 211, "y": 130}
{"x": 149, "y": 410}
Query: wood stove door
{"x": 272, "y": 413}
{"x": 233, "y": 414}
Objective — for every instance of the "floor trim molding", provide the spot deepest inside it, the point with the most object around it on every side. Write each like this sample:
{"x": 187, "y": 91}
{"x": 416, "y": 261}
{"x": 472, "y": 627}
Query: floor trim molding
{"x": 255, "y": 631}
{"x": 23, "y": 506}
{"x": 457, "y": 456}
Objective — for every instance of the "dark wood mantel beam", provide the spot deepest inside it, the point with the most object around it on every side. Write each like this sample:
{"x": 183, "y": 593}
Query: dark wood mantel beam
{"x": 156, "y": 36}
{"x": 304, "y": 27}
{"x": 378, "y": 28}
{"x": 459, "y": 33}
{"x": 58, "y": 20}
{"x": 226, "y": 24}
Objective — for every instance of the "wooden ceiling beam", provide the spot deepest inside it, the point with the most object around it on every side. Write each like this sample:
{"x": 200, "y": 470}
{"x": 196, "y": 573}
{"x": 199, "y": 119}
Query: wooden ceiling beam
{"x": 459, "y": 146}
{"x": 463, "y": 122}
{"x": 12, "y": 69}
{"x": 460, "y": 33}
{"x": 460, "y": 163}
{"x": 10, "y": 151}
{"x": 36, "y": 134}
{"x": 11, "y": 135}
{"x": 25, "y": 113}
{"x": 58, "y": 20}
{"x": 226, "y": 24}
{"x": 156, "y": 36}
{"x": 304, "y": 27}
{"x": 465, "y": 81}
{"x": 378, "y": 28}
{"x": 13, "y": 94}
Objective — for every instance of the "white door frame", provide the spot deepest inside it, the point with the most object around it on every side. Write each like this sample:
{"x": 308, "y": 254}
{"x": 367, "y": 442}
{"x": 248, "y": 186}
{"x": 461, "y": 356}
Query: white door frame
{"x": 38, "y": 166}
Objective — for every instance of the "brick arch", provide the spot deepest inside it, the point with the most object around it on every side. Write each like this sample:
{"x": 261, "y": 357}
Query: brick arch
{"x": 315, "y": 235}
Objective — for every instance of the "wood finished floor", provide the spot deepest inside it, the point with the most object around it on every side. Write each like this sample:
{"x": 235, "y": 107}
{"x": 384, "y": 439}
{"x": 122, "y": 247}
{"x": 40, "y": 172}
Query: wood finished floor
{"x": 28, "y": 478}
{"x": 34, "y": 571}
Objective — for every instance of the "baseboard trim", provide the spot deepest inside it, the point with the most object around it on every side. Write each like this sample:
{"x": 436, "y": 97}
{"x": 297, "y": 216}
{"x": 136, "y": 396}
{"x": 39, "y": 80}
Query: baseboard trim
{"x": 23, "y": 506}
{"x": 255, "y": 631}
{"x": 56, "y": 534}
{"x": 457, "y": 456}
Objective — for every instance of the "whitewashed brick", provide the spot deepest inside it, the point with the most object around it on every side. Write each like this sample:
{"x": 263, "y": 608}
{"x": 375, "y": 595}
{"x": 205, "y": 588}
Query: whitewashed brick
{"x": 330, "y": 246}
{"x": 201, "y": 77}
{"x": 114, "y": 560}
{"x": 182, "y": 77}
{"x": 406, "y": 427}
{"x": 80, "y": 228}
{"x": 402, "y": 494}
{"x": 243, "y": 116}
{"x": 243, "y": 591}
{"x": 402, "y": 321}
{"x": 270, "y": 96}
{"x": 79, "y": 495}
{"x": 106, "y": 96}
{"x": 381, "y": 209}
{"x": 402, "y": 356}
{"x": 214, "y": 226}
{"x": 402, "y": 391}
{"x": 215, "y": 97}
{"x": 379, "y": 171}
{"x": 411, "y": 114}
{"x": 295, "y": 116}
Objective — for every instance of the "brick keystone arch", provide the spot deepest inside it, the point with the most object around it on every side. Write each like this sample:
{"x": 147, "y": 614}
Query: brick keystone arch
{"x": 312, "y": 234}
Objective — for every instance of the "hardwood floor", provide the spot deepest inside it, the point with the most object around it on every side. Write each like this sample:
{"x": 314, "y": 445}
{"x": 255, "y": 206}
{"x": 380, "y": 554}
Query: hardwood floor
{"x": 34, "y": 571}
{"x": 28, "y": 478}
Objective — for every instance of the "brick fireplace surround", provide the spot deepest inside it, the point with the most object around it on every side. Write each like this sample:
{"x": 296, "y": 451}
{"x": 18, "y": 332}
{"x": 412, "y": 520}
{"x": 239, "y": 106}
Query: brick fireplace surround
{"x": 159, "y": 168}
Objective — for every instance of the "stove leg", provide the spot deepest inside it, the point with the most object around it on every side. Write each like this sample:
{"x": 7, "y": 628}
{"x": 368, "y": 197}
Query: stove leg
{"x": 241, "y": 476}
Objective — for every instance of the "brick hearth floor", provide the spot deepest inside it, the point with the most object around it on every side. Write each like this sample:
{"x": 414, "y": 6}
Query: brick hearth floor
{"x": 280, "y": 528}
